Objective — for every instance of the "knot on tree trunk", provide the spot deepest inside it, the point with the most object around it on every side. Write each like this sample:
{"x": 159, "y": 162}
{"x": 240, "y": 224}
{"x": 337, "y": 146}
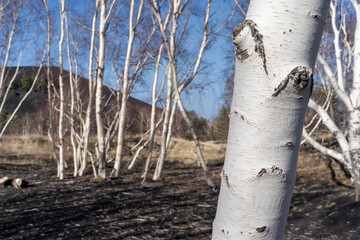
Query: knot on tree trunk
{"x": 299, "y": 77}
{"x": 247, "y": 40}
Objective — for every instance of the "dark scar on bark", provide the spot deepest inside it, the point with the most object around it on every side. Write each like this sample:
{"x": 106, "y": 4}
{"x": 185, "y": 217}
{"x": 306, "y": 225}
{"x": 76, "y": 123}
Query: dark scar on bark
{"x": 273, "y": 171}
{"x": 242, "y": 54}
{"x": 226, "y": 178}
{"x": 261, "y": 229}
{"x": 299, "y": 77}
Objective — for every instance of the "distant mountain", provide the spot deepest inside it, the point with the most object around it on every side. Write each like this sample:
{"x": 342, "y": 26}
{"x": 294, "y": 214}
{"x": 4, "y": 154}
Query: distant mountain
{"x": 33, "y": 115}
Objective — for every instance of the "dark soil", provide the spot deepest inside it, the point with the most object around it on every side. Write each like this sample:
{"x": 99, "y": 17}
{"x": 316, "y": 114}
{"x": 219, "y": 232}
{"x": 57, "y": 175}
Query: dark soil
{"x": 181, "y": 206}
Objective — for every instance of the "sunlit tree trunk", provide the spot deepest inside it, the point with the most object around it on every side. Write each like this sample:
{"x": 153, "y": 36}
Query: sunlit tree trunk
{"x": 84, "y": 142}
{"x": 99, "y": 94}
{"x": 276, "y": 48}
{"x": 49, "y": 83}
{"x": 171, "y": 46}
{"x": 165, "y": 130}
{"x": 155, "y": 98}
{"x": 347, "y": 58}
{"x": 72, "y": 100}
{"x": 125, "y": 88}
{"x": 61, "y": 87}
{"x": 354, "y": 116}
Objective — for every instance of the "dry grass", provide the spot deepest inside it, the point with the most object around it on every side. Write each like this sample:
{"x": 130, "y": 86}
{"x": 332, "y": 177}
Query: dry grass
{"x": 181, "y": 151}
{"x": 184, "y": 151}
{"x": 312, "y": 166}
{"x": 25, "y": 145}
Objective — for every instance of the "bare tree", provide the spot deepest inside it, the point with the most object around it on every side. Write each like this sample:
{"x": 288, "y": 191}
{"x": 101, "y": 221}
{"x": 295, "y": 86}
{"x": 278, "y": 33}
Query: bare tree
{"x": 15, "y": 18}
{"x": 125, "y": 87}
{"x": 84, "y": 141}
{"x": 104, "y": 17}
{"x": 344, "y": 78}
{"x": 176, "y": 84}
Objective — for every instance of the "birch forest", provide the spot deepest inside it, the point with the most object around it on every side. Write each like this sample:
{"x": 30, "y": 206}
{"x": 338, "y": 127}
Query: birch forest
{"x": 179, "y": 119}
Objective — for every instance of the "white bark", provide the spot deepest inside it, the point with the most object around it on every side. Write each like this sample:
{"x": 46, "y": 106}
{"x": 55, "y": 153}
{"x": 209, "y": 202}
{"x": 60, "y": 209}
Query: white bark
{"x": 61, "y": 87}
{"x": 354, "y": 116}
{"x": 86, "y": 130}
{"x": 11, "y": 18}
{"x": 8, "y": 48}
{"x": 49, "y": 83}
{"x": 21, "y": 101}
{"x": 276, "y": 50}
{"x": 138, "y": 151}
{"x": 98, "y": 96}
{"x": 125, "y": 92}
{"x": 170, "y": 46}
{"x": 348, "y": 94}
{"x": 332, "y": 153}
{"x": 165, "y": 130}
{"x": 72, "y": 100}
{"x": 330, "y": 124}
{"x": 155, "y": 98}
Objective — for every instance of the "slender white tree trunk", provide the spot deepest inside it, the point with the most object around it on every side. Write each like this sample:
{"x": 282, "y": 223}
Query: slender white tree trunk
{"x": 86, "y": 132}
{"x": 72, "y": 104}
{"x": 61, "y": 87}
{"x": 163, "y": 148}
{"x": 171, "y": 46}
{"x": 98, "y": 96}
{"x": 354, "y": 116}
{"x": 347, "y": 55}
{"x": 276, "y": 49}
{"x": 171, "y": 124}
{"x": 153, "y": 107}
{"x": 125, "y": 93}
{"x": 49, "y": 81}
{"x": 354, "y": 144}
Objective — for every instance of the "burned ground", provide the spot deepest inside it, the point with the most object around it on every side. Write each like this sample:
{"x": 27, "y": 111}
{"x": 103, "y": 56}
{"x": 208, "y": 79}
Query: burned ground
{"x": 181, "y": 206}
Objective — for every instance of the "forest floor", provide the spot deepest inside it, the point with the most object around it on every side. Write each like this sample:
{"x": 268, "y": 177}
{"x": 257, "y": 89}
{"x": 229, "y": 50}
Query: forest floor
{"x": 181, "y": 206}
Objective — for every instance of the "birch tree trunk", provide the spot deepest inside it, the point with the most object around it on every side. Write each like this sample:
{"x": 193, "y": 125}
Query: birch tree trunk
{"x": 86, "y": 131}
{"x": 346, "y": 51}
{"x": 72, "y": 104}
{"x": 276, "y": 49}
{"x": 163, "y": 148}
{"x": 171, "y": 46}
{"x": 354, "y": 116}
{"x": 61, "y": 87}
{"x": 98, "y": 96}
{"x": 125, "y": 93}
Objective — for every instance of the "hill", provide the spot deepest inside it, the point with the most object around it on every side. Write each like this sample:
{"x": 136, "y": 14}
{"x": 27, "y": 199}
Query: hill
{"x": 33, "y": 114}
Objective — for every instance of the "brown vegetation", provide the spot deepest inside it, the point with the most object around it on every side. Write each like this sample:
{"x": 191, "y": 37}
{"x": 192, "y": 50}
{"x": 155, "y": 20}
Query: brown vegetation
{"x": 181, "y": 206}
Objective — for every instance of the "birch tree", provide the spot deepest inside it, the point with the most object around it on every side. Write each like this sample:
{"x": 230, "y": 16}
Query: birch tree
{"x": 15, "y": 21}
{"x": 125, "y": 87}
{"x": 104, "y": 18}
{"x": 343, "y": 74}
{"x": 84, "y": 141}
{"x": 276, "y": 48}
{"x": 175, "y": 83}
{"x": 61, "y": 90}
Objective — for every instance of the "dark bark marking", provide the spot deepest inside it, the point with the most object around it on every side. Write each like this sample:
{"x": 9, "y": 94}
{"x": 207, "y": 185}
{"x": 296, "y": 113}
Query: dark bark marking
{"x": 262, "y": 229}
{"x": 299, "y": 77}
{"x": 237, "y": 114}
{"x": 288, "y": 145}
{"x": 273, "y": 171}
{"x": 226, "y": 177}
{"x": 242, "y": 54}
{"x": 242, "y": 117}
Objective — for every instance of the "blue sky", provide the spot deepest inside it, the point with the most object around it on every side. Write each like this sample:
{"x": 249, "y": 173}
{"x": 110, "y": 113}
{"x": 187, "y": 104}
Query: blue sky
{"x": 207, "y": 101}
